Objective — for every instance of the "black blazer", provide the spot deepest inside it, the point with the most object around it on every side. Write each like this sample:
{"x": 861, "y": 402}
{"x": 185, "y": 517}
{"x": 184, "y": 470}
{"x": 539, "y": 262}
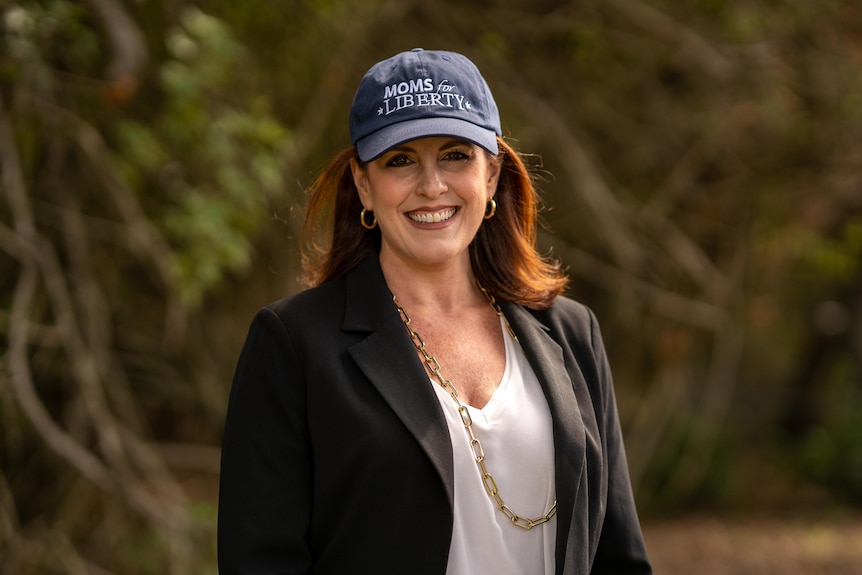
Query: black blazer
{"x": 336, "y": 456}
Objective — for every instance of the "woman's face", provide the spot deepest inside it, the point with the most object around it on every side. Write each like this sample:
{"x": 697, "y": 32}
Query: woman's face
{"x": 429, "y": 197}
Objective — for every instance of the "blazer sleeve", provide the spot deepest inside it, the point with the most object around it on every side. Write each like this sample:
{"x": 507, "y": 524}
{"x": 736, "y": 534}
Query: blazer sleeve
{"x": 266, "y": 476}
{"x": 621, "y": 548}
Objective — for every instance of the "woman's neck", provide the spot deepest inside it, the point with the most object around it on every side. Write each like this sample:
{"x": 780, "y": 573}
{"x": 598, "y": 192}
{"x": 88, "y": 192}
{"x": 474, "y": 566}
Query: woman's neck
{"x": 444, "y": 288}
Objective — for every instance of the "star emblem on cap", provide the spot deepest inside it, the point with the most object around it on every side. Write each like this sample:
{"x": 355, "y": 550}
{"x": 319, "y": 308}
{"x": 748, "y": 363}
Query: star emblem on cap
{"x": 468, "y": 105}
{"x": 379, "y": 111}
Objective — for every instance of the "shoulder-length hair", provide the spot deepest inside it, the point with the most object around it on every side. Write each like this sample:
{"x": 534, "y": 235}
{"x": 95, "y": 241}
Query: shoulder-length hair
{"x": 503, "y": 254}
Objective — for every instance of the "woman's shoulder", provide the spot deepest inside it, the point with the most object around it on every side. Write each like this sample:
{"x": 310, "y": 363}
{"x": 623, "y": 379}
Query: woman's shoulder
{"x": 307, "y": 310}
{"x": 312, "y": 301}
{"x": 574, "y": 326}
{"x": 568, "y": 313}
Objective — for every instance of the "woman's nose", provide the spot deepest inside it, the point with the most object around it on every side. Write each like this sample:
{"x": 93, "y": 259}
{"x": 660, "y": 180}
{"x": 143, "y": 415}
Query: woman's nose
{"x": 433, "y": 183}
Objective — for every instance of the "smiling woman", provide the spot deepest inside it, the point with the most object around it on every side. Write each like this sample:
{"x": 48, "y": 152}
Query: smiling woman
{"x": 432, "y": 405}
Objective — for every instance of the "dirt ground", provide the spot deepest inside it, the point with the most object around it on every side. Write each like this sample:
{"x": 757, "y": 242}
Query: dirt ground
{"x": 706, "y": 546}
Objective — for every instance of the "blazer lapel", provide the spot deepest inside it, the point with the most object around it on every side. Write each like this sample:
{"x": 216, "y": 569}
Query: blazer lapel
{"x": 546, "y": 358}
{"x": 388, "y": 359}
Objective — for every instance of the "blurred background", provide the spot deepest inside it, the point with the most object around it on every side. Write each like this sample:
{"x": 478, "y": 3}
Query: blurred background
{"x": 702, "y": 170}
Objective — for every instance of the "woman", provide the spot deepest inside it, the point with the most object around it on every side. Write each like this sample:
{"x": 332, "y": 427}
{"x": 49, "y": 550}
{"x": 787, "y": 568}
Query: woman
{"x": 432, "y": 405}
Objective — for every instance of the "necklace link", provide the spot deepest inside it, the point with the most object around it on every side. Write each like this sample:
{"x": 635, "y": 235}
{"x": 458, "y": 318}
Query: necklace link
{"x": 488, "y": 481}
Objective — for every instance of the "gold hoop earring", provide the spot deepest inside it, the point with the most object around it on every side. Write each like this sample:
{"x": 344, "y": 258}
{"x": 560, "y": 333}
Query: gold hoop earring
{"x": 491, "y": 210}
{"x": 364, "y": 223}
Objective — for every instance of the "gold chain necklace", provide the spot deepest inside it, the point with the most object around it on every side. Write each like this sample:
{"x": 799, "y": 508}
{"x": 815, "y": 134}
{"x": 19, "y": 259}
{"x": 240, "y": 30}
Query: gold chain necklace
{"x": 475, "y": 445}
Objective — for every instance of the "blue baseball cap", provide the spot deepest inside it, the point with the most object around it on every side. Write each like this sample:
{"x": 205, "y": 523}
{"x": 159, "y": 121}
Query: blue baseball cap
{"x": 419, "y": 94}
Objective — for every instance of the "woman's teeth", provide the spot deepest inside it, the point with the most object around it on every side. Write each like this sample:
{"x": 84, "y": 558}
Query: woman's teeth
{"x": 432, "y": 218}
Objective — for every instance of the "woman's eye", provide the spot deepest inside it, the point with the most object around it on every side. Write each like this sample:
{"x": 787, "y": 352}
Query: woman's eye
{"x": 399, "y": 160}
{"x": 456, "y": 156}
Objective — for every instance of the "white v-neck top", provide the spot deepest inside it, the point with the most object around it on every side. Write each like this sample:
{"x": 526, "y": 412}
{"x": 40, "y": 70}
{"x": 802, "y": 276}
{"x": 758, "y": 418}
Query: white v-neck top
{"x": 515, "y": 429}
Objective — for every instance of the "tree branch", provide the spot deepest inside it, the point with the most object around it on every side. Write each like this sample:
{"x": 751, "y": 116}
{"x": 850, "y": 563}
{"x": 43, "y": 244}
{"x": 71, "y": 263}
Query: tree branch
{"x": 668, "y": 304}
{"x": 129, "y": 54}
{"x": 691, "y": 46}
{"x": 586, "y": 180}
{"x": 22, "y": 382}
{"x": 144, "y": 238}
{"x": 22, "y": 243}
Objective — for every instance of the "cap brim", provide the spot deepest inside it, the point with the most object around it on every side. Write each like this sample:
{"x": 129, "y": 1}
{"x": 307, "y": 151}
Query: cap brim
{"x": 373, "y": 145}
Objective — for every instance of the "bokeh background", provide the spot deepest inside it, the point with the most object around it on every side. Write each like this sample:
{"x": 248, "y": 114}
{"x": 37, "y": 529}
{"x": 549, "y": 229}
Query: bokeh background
{"x": 702, "y": 170}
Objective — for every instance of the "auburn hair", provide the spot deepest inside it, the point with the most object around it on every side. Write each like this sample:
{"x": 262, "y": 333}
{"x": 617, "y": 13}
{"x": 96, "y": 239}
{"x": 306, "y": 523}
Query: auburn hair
{"x": 503, "y": 254}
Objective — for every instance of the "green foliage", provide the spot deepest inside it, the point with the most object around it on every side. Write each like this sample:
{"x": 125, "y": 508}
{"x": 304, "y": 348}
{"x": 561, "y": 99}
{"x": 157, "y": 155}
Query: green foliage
{"x": 831, "y": 452}
{"x": 143, "y": 550}
{"x": 137, "y": 210}
{"x": 834, "y": 261}
{"x": 140, "y": 553}
{"x": 31, "y": 30}
{"x": 218, "y": 157}
{"x": 682, "y": 476}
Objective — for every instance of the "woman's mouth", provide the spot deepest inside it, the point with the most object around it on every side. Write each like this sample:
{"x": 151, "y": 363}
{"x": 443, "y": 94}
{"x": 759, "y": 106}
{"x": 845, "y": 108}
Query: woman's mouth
{"x": 432, "y": 217}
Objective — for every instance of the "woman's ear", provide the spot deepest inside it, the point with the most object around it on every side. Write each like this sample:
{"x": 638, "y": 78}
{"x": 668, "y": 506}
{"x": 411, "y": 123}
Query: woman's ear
{"x": 360, "y": 180}
{"x": 495, "y": 166}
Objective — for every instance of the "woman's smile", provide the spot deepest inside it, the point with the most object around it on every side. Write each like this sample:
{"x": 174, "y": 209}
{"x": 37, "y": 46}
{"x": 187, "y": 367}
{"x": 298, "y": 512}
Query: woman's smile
{"x": 431, "y": 217}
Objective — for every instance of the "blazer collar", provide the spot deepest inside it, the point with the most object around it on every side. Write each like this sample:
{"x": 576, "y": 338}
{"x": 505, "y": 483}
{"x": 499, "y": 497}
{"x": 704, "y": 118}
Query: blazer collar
{"x": 558, "y": 381}
{"x": 369, "y": 301}
{"x": 388, "y": 359}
